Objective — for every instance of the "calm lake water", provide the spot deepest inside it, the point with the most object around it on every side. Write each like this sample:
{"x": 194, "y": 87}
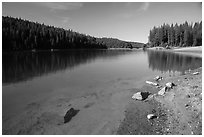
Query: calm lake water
{"x": 39, "y": 87}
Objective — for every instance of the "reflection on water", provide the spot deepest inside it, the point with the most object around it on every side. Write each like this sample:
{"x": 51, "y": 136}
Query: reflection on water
{"x": 26, "y": 65}
{"x": 171, "y": 62}
{"x": 98, "y": 80}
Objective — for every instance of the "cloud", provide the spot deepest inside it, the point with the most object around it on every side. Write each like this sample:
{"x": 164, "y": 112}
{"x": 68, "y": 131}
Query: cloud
{"x": 144, "y": 6}
{"x": 139, "y": 9}
{"x": 53, "y": 6}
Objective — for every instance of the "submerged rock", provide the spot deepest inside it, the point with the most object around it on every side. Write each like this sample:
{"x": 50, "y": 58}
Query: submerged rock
{"x": 152, "y": 83}
{"x": 151, "y": 116}
{"x": 70, "y": 113}
{"x": 141, "y": 95}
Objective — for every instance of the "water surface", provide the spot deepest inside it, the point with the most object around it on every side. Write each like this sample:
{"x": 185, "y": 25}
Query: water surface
{"x": 39, "y": 87}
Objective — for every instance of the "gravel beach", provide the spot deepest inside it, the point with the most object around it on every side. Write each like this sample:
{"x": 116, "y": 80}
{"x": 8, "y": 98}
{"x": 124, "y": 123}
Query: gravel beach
{"x": 178, "y": 111}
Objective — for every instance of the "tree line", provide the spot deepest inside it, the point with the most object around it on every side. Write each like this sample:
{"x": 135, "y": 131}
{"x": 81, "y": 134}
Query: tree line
{"x": 183, "y": 35}
{"x": 116, "y": 43}
{"x": 19, "y": 34}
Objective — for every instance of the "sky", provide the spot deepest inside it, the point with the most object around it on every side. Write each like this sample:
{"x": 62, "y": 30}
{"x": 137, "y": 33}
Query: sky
{"x": 129, "y": 21}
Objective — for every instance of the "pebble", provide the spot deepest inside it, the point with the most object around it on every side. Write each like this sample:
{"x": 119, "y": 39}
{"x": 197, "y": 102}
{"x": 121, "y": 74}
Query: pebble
{"x": 188, "y": 96}
{"x": 187, "y": 105}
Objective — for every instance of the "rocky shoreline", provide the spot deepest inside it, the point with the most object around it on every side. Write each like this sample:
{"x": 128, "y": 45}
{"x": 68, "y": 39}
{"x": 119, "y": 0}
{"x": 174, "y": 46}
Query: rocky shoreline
{"x": 178, "y": 111}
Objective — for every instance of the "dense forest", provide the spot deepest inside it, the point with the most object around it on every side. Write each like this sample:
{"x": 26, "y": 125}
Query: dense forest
{"x": 116, "y": 43}
{"x": 183, "y": 35}
{"x": 19, "y": 34}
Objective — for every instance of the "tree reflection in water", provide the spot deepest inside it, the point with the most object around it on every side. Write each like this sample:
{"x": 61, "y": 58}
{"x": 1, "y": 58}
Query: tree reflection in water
{"x": 22, "y": 66}
{"x": 171, "y": 62}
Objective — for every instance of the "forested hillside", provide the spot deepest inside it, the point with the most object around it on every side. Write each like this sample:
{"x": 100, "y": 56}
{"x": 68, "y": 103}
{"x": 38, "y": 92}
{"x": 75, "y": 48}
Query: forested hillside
{"x": 19, "y": 34}
{"x": 116, "y": 43}
{"x": 176, "y": 35}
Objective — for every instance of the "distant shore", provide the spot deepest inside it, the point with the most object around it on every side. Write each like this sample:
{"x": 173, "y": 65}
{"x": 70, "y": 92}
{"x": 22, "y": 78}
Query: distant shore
{"x": 189, "y": 49}
{"x": 193, "y": 51}
{"x": 179, "y": 110}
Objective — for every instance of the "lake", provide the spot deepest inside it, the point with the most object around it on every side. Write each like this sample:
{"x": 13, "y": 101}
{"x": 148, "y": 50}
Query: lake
{"x": 39, "y": 87}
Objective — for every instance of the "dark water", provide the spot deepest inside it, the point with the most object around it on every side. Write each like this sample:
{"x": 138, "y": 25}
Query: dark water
{"x": 25, "y": 66}
{"x": 32, "y": 76}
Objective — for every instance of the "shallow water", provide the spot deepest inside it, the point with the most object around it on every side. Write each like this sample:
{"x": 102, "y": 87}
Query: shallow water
{"x": 39, "y": 87}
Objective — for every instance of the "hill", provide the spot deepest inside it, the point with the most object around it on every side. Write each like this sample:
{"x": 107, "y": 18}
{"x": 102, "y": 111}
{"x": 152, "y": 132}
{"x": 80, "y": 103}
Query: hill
{"x": 19, "y": 34}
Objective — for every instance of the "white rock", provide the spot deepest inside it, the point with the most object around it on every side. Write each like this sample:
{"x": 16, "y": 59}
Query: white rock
{"x": 137, "y": 96}
{"x": 151, "y": 116}
{"x": 141, "y": 95}
{"x": 195, "y": 73}
{"x": 152, "y": 83}
{"x": 162, "y": 91}
{"x": 170, "y": 85}
{"x": 158, "y": 78}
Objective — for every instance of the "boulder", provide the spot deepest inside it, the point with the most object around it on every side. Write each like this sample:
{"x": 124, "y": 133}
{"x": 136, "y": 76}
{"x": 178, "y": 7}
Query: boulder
{"x": 152, "y": 83}
{"x": 162, "y": 91}
{"x": 149, "y": 97}
{"x": 70, "y": 113}
{"x": 170, "y": 85}
{"x": 141, "y": 95}
{"x": 158, "y": 78}
{"x": 151, "y": 116}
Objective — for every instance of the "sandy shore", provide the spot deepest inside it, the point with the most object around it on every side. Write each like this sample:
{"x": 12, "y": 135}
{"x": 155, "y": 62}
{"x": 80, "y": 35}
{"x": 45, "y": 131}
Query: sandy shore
{"x": 189, "y": 49}
{"x": 193, "y": 51}
{"x": 179, "y": 110}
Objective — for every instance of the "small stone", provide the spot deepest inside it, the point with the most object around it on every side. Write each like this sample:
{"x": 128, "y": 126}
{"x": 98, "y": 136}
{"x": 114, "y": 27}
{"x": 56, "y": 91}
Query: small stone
{"x": 187, "y": 105}
{"x": 170, "y": 85}
{"x": 158, "y": 78}
{"x": 152, "y": 83}
{"x": 162, "y": 91}
{"x": 151, "y": 116}
{"x": 188, "y": 96}
{"x": 141, "y": 95}
{"x": 196, "y": 73}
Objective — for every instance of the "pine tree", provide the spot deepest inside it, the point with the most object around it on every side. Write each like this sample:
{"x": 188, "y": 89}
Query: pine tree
{"x": 176, "y": 35}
